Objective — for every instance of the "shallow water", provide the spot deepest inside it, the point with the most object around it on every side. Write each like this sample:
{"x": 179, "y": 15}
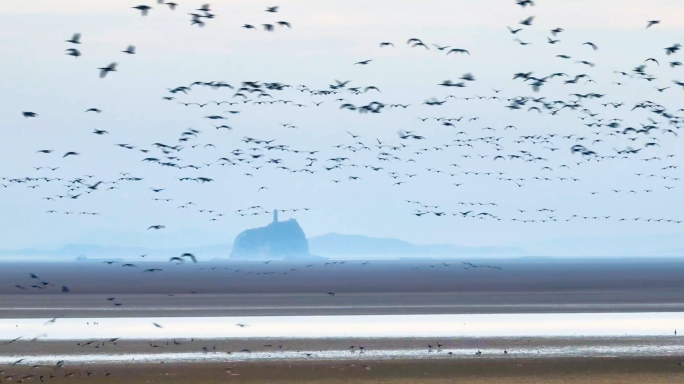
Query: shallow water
{"x": 345, "y": 355}
{"x": 381, "y": 326}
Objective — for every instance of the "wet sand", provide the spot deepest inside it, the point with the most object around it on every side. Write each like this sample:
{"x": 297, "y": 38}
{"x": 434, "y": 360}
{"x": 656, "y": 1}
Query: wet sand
{"x": 662, "y": 370}
{"x": 321, "y": 304}
{"x": 493, "y": 346}
{"x": 292, "y": 277}
{"x": 379, "y": 287}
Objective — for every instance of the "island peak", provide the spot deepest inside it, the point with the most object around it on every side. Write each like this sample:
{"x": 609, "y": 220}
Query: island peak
{"x": 277, "y": 240}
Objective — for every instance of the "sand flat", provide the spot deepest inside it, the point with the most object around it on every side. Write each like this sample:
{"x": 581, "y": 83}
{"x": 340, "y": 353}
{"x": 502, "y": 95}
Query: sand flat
{"x": 79, "y": 305}
{"x": 548, "y": 371}
{"x": 379, "y": 287}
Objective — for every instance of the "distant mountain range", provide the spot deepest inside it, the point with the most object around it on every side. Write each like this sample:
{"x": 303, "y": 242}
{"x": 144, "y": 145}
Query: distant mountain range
{"x": 331, "y": 245}
{"x": 334, "y": 245}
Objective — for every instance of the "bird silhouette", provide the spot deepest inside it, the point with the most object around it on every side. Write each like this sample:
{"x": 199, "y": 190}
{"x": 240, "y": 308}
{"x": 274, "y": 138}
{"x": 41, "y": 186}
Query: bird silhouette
{"x": 144, "y": 9}
{"x": 652, "y": 23}
{"x": 73, "y": 52}
{"x": 105, "y": 70}
{"x": 75, "y": 39}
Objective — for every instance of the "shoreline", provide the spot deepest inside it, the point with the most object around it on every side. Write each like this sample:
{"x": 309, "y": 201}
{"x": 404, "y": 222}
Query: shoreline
{"x": 124, "y": 312}
{"x": 206, "y": 351}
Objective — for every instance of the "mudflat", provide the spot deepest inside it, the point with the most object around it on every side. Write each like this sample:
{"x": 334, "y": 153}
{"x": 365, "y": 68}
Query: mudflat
{"x": 321, "y": 304}
{"x": 662, "y": 370}
{"x": 378, "y": 287}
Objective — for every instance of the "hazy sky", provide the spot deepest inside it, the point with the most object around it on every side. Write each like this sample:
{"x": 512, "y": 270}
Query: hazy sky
{"x": 326, "y": 39}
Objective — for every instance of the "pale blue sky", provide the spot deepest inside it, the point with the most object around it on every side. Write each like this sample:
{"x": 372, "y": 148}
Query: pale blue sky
{"x": 326, "y": 39}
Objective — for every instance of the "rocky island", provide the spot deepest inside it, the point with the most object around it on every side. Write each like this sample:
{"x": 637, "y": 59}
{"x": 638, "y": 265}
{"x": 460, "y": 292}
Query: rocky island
{"x": 277, "y": 240}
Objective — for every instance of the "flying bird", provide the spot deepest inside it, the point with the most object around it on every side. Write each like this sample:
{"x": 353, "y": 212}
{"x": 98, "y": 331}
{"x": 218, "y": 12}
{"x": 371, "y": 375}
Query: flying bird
{"x": 592, "y": 45}
{"x": 75, "y": 39}
{"x": 73, "y": 52}
{"x": 528, "y": 21}
{"x": 144, "y": 9}
{"x": 458, "y": 50}
{"x": 652, "y": 23}
{"x": 105, "y": 70}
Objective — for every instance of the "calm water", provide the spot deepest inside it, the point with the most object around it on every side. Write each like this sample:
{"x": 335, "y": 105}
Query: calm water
{"x": 380, "y": 326}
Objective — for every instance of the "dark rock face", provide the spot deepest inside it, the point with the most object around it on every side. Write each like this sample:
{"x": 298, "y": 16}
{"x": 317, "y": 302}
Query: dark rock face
{"x": 278, "y": 240}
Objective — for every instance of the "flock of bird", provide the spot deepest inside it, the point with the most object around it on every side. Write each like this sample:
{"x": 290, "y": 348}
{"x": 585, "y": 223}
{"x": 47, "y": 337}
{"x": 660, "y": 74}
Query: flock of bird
{"x": 473, "y": 146}
{"x": 36, "y": 283}
{"x": 22, "y": 370}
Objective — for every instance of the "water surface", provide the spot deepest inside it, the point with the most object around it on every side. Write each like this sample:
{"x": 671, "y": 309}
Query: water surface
{"x": 371, "y": 326}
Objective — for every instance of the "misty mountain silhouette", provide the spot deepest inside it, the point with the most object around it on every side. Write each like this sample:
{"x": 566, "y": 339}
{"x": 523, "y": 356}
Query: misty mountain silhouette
{"x": 328, "y": 245}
